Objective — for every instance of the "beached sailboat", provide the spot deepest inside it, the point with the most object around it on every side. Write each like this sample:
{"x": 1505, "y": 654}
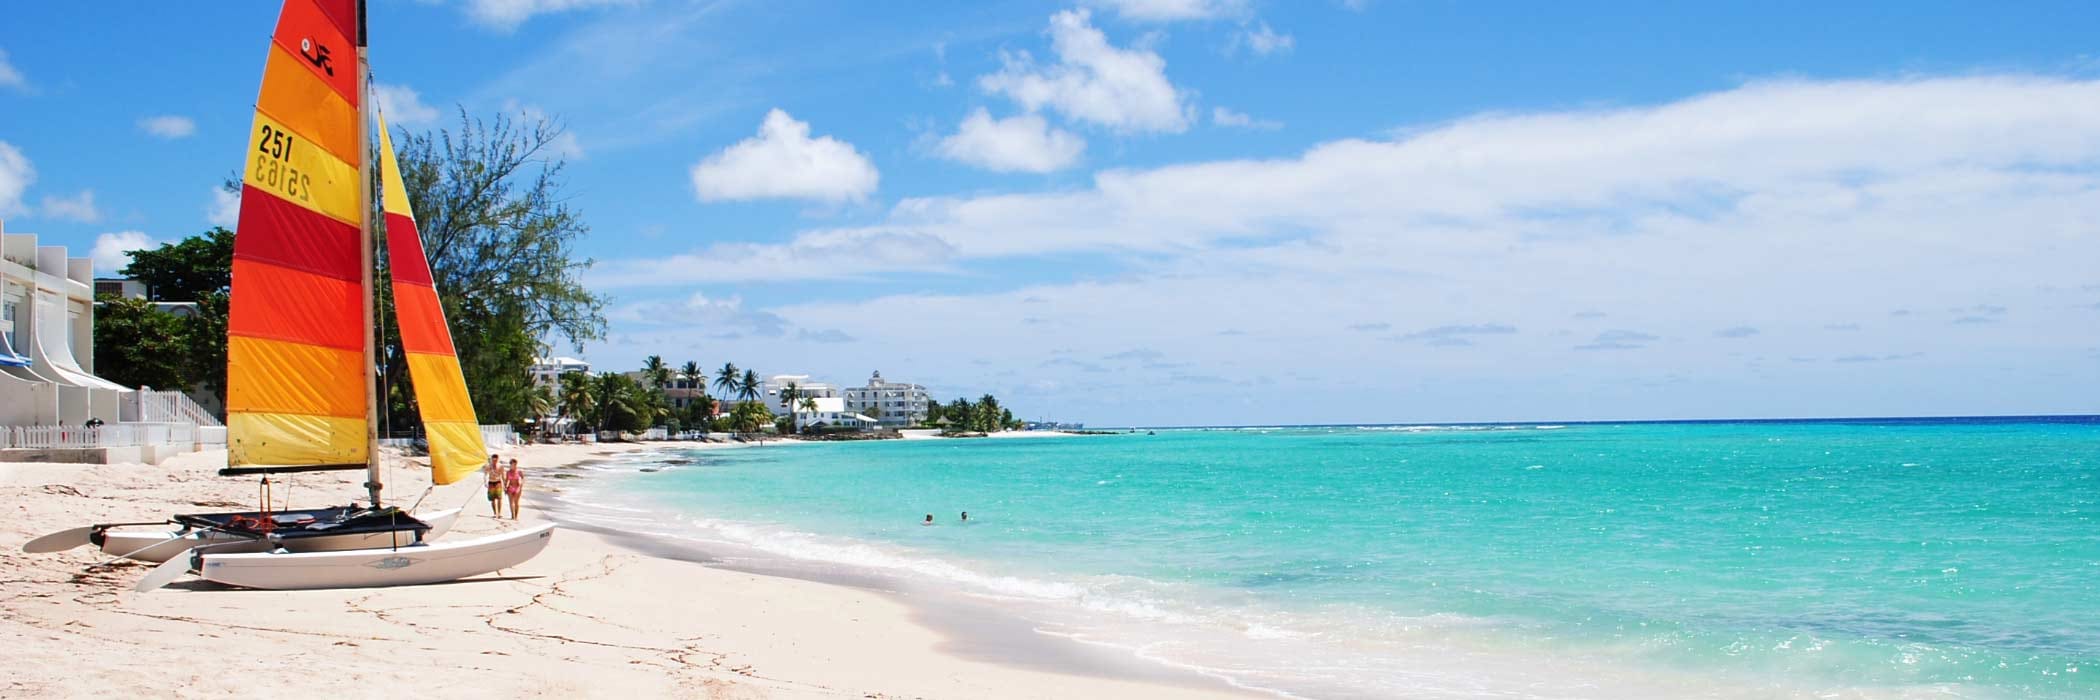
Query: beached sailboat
{"x": 300, "y": 350}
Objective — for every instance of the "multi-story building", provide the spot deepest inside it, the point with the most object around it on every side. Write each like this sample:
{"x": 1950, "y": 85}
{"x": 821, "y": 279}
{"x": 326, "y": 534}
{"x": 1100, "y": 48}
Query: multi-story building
{"x": 891, "y": 404}
{"x": 805, "y": 388}
{"x": 47, "y": 338}
{"x": 547, "y": 371}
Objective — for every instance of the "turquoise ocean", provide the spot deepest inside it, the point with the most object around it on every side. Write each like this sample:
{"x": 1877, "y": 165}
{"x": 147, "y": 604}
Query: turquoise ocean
{"x": 1855, "y": 558}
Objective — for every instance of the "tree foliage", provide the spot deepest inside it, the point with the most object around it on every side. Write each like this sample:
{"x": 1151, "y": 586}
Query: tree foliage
{"x": 137, "y": 344}
{"x": 500, "y": 240}
{"x": 186, "y": 270}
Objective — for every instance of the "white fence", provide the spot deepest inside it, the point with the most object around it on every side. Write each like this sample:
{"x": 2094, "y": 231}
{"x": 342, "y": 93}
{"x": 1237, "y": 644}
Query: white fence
{"x": 49, "y": 437}
{"x": 169, "y": 407}
{"x": 492, "y": 435}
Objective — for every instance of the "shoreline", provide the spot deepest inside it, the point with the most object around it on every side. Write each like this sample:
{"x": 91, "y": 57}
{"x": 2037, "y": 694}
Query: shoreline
{"x": 597, "y": 613}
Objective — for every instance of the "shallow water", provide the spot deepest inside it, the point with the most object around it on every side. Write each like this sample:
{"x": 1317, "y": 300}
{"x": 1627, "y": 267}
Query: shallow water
{"x": 1942, "y": 558}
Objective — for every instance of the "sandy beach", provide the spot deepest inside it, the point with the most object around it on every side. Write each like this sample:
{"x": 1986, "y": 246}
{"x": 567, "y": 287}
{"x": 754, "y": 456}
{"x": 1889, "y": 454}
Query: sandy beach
{"x": 598, "y": 614}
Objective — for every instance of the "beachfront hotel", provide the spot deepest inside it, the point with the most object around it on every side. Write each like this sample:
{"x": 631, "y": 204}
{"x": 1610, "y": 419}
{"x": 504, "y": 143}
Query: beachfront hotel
{"x": 547, "y": 371}
{"x": 892, "y": 404}
{"x": 47, "y": 338}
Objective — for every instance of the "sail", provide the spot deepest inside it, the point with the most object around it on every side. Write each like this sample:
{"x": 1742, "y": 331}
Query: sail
{"x": 296, "y": 373}
{"x": 456, "y": 449}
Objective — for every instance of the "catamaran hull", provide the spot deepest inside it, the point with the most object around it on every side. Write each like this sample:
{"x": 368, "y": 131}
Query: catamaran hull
{"x": 404, "y": 566}
{"x": 157, "y": 546}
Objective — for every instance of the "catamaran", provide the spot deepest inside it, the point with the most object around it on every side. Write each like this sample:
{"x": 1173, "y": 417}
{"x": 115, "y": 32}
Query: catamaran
{"x": 301, "y": 388}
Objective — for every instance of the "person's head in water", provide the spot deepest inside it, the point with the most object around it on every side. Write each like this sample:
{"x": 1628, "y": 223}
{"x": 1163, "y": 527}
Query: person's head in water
{"x": 966, "y": 516}
{"x": 929, "y": 518}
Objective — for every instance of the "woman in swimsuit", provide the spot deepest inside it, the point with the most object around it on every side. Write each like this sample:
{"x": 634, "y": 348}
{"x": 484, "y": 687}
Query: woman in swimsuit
{"x": 494, "y": 474}
{"x": 513, "y": 486}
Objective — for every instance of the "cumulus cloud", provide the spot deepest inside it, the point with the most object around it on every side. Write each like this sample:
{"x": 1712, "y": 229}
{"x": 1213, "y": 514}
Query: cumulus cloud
{"x": 16, "y": 174}
{"x": 9, "y": 77}
{"x": 79, "y": 207}
{"x": 829, "y": 254}
{"x": 1022, "y": 143}
{"x": 168, "y": 126}
{"x": 1173, "y": 10}
{"x": 782, "y": 161}
{"x": 698, "y": 311}
{"x": 112, "y": 250}
{"x": 402, "y": 105}
{"x": 224, "y": 209}
{"x": 1093, "y": 81}
{"x": 506, "y": 15}
{"x": 1226, "y": 117}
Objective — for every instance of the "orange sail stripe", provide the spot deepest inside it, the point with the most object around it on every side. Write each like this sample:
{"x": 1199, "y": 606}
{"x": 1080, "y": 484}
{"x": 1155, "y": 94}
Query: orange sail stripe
{"x": 422, "y": 319}
{"x": 300, "y": 307}
{"x": 294, "y": 378}
{"x": 324, "y": 45}
{"x": 456, "y": 448}
{"x": 309, "y": 107}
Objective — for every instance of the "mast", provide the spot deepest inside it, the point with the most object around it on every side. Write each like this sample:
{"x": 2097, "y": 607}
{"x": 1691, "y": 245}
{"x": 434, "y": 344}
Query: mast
{"x": 365, "y": 248}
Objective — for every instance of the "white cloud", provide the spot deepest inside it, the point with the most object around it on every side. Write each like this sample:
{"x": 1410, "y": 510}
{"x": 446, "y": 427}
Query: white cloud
{"x": 168, "y": 126}
{"x": 1023, "y": 143}
{"x": 1264, "y": 41}
{"x": 79, "y": 207}
{"x": 1173, "y": 10}
{"x": 111, "y": 250}
{"x": 16, "y": 174}
{"x": 782, "y": 161}
{"x": 225, "y": 208}
{"x": 1226, "y": 117}
{"x": 505, "y": 15}
{"x": 9, "y": 77}
{"x": 1771, "y": 206}
{"x": 401, "y": 105}
{"x": 1093, "y": 81}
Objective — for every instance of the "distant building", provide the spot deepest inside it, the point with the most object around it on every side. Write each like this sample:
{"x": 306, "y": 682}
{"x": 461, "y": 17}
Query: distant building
{"x": 547, "y": 371}
{"x": 47, "y": 338}
{"x": 831, "y": 413}
{"x": 892, "y": 404}
{"x": 680, "y": 392}
{"x": 805, "y": 388}
{"x": 120, "y": 287}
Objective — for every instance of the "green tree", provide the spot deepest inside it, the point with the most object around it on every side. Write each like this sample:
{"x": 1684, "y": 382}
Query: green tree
{"x": 579, "y": 399}
{"x": 788, "y": 394}
{"x": 204, "y": 343}
{"x": 186, "y": 270}
{"x": 500, "y": 237}
{"x": 986, "y": 415}
{"x": 695, "y": 378}
{"x": 807, "y": 404}
{"x": 659, "y": 374}
{"x": 750, "y": 388}
{"x": 137, "y": 344}
{"x": 728, "y": 380}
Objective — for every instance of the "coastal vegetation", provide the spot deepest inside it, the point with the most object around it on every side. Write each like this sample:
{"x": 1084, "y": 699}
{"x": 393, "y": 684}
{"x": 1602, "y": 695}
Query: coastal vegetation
{"x": 140, "y": 344}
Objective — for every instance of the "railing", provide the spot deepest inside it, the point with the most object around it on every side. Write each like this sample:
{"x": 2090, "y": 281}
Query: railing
{"x": 654, "y": 434}
{"x": 171, "y": 407}
{"x": 499, "y": 435}
{"x": 52, "y": 437}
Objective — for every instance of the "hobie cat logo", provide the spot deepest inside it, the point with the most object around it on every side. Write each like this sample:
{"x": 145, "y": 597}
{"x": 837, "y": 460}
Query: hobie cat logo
{"x": 392, "y": 563}
{"x": 316, "y": 54}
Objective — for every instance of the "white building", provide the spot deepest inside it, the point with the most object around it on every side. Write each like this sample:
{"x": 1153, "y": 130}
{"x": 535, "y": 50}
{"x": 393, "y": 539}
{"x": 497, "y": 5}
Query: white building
{"x": 831, "y": 413}
{"x": 805, "y": 388}
{"x": 547, "y": 371}
{"x": 890, "y": 403}
{"x": 47, "y": 338}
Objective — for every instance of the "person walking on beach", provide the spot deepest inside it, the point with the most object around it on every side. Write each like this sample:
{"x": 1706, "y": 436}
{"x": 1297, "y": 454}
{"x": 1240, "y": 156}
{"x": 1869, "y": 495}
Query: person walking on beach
{"x": 513, "y": 486}
{"x": 493, "y": 473}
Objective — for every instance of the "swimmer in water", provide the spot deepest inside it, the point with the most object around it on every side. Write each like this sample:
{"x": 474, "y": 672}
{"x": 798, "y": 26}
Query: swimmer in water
{"x": 929, "y": 519}
{"x": 966, "y": 516}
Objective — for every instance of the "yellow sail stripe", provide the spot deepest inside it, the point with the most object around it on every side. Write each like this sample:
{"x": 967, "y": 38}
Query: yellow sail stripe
{"x": 393, "y": 196}
{"x": 296, "y": 98}
{"x": 456, "y": 450}
{"x": 283, "y": 163}
{"x": 279, "y": 438}
{"x": 441, "y": 393}
{"x": 294, "y": 378}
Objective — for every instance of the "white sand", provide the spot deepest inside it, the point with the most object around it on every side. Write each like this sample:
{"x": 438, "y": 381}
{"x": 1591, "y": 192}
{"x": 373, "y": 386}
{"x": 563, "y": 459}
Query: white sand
{"x": 587, "y": 618}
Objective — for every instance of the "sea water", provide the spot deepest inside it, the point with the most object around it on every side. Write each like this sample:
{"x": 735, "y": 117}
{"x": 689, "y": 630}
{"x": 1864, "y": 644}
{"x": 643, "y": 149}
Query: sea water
{"x": 1887, "y": 558}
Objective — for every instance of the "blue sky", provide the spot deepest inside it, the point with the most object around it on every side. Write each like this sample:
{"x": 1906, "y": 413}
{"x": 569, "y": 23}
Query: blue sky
{"x": 1223, "y": 211}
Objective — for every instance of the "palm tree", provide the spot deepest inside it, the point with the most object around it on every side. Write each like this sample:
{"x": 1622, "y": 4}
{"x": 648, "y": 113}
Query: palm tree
{"x": 788, "y": 394}
{"x": 702, "y": 409}
{"x": 658, "y": 373}
{"x": 728, "y": 379}
{"x": 694, "y": 377}
{"x": 578, "y": 398}
{"x": 538, "y": 403}
{"x": 988, "y": 413}
{"x": 808, "y": 404}
{"x": 750, "y": 388}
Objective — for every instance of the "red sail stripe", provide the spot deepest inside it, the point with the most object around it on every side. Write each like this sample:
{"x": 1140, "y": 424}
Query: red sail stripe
{"x": 404, "y": 245}
{"x": 288, "y": 235}
{"x": 422, "y": 319}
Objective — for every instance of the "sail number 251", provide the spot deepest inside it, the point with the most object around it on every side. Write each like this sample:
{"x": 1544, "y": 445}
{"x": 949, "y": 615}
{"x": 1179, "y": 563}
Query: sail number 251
{"x": 273, "y": 165}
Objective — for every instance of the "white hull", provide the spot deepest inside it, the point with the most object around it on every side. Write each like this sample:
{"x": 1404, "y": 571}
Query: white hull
{"x": 159, "y": 545}
{"x": 404, "y": 566}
